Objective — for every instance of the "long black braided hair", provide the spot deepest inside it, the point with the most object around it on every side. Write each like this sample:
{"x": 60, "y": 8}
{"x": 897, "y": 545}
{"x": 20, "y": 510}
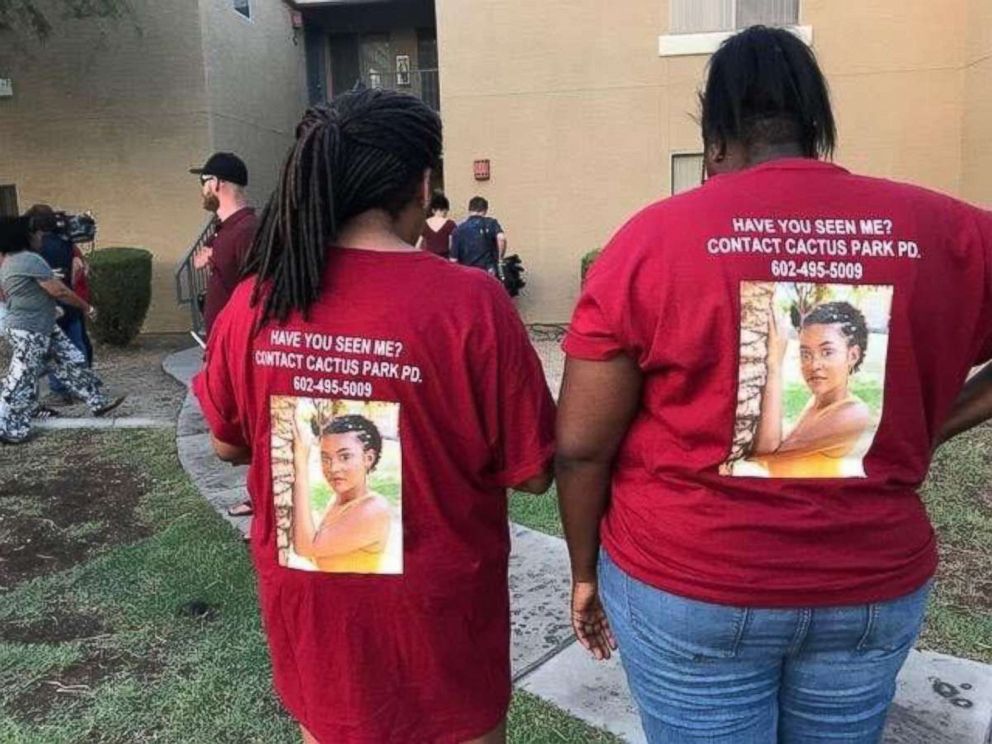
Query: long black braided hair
{"x": 368, "y": 149}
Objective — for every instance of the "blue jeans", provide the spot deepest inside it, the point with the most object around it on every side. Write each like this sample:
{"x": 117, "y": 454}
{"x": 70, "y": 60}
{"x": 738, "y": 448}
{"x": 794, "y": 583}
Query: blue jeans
{"x": 702, "y": 672}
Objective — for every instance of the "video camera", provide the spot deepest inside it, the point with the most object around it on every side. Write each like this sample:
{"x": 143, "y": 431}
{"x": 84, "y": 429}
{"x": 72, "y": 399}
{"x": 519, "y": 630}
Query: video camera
{"x": 76, "y": 228}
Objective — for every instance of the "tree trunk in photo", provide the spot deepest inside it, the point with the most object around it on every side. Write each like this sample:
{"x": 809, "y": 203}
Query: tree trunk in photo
{"x": 283, "y": 414}
{"x": 756, "y": 304}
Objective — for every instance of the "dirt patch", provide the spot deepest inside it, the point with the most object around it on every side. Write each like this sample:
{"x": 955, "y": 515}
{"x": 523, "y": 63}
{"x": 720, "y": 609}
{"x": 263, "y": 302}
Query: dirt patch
{"x": 60, "y": 626}
{"x": 61, "y": 501}
{"x": 79, "y": 682}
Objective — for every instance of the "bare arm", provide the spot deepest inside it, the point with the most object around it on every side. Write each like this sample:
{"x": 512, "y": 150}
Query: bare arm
{"x": 538, "y": 484}
{"x": 304, "y": 529}
{"x": 501, "y": 244}
{"x": 364, "y": 525}
{"x": 768, "y": 437}
{"x": 973, "y": 406}
{"x": 232, "y": 453}
{"x": 597, "y": 405}
{"x": 61, "y": 293}
{"x": 833, "y": 430}
{"x": 419, "y": 245}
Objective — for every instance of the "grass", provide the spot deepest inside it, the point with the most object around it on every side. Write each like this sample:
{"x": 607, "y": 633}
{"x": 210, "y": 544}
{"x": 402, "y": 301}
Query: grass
{"x": 120, "y": 657}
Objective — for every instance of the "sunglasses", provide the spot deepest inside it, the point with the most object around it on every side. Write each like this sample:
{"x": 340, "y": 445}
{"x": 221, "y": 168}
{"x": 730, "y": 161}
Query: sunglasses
{"x": 205, "y": 178}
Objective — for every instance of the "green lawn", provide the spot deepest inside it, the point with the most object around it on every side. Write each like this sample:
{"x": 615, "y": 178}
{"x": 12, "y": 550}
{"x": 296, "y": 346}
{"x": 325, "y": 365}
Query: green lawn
{"x": 110, "y": 649}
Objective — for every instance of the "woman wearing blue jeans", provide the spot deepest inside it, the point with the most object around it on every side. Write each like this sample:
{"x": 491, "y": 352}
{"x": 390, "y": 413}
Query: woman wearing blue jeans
{"x": 757, "y": 374}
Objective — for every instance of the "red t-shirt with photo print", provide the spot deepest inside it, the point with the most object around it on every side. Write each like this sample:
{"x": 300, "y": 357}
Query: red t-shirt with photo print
{"x": 803, "y": 333}
{"x": 385, "y": 429}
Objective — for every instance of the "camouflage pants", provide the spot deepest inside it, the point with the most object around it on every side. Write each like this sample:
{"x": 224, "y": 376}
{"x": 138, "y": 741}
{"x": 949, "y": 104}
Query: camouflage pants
{"x": 33, "y": 355}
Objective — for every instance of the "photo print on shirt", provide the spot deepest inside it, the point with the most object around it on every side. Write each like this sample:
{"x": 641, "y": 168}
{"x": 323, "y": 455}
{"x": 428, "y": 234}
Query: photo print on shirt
{"x": 811, "y": 379}
{"x": 337, "y": 484}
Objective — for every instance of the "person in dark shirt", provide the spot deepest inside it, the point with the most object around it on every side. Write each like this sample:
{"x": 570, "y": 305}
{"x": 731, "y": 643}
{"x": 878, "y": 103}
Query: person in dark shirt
{"x": 479, "y": 241}
{"x": 59, "y": 253}
{"x": 436, "y": 237}
{"x": 223, "y": 180}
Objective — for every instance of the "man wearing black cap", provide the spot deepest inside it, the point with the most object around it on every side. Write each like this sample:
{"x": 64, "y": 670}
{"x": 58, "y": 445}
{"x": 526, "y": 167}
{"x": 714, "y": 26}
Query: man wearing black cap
{"x": 223, "y": 179}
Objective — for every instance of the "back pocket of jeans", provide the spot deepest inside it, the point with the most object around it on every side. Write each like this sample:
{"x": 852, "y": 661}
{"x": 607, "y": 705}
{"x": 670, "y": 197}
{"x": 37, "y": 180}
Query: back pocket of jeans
{"x": 894, "y": 625}
{"x": 697, "y": 631}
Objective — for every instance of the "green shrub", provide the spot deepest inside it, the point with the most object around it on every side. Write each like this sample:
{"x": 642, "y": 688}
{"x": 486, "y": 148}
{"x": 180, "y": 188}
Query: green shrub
{"x": 121, "y": 289}
{"x": 587, "y": 262}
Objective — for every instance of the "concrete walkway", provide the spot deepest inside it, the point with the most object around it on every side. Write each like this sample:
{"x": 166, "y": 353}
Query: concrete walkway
{"x": 940, "y": 700}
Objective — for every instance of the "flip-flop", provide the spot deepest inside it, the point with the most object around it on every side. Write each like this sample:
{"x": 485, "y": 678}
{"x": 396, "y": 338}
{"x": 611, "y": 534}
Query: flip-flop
{"x": 244, "y": 509}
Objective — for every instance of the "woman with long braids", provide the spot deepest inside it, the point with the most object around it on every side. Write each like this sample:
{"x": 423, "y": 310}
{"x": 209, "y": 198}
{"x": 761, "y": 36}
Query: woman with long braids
{"x": 766, "y": 609}
{"x": 340, "y": 307}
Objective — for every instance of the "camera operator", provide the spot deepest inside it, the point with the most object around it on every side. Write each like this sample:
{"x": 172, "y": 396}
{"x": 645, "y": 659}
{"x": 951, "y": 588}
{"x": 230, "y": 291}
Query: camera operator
{"x": 38, "y": 345}
{"x": 67, "y": 263}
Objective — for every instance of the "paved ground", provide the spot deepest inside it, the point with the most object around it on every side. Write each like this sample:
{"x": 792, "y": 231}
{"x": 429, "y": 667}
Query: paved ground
{"x": 153, "y": 397}
{"x": 941, "y": 699}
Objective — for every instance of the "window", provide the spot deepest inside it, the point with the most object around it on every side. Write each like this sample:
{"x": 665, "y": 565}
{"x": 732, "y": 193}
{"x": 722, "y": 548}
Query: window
{"x": 8, "y": 200}
{"x": 243, "y": 7}
{"x": 708, "y": 16}
{"x": 687, "y": 172}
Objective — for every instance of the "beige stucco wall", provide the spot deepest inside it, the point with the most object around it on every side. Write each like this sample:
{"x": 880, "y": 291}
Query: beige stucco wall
{"x": 977, "y": 150}
{"x": 104, "y": 115}
{"x": 256, "y": 85}
{"x": 579, "y": 115}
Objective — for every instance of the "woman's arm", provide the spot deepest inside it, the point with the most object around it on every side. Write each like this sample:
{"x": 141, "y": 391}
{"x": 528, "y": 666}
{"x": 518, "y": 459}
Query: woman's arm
{"x": 598, "y": 402}
{"x": 304, "y": 528}
{"x": 232, "y": 453}
{"x": 363, "y": 525}
{"x": 833, "y": 430}
{"x": 61, "y": 293}
{"x": 768, "y": 437}
{"x": 973, "y": 406}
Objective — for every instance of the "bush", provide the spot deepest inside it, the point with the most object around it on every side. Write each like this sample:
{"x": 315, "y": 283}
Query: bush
{"x": 587, "y": 262}
{"x": 121, "y": 290}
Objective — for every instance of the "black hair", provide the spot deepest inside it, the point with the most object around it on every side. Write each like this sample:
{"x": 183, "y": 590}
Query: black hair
{"x": 15, "y": 234}
{"x": 439, "y": 202}
{"x": 765, "y": 87}
{"x": 368, "y": 149}
{"x": 367, "y": 433}
{"x": 478, "y": 204}
{"x": 41, "y": 217}
{"x": 852, "y": 324}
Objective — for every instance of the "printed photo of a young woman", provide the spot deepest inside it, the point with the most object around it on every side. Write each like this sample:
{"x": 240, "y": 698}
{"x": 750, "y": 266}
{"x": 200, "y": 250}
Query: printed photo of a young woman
{"x": 337, "y": 472}
{"x": 811, "y": 380}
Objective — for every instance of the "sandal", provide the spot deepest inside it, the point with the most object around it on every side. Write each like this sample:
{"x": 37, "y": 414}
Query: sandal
{"x": 45, "y": 412}
{"x": 244, "y": 509}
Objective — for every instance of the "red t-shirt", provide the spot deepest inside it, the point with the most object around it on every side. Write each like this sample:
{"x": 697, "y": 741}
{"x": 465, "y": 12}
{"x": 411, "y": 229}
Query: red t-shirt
{"x": 230, "y": 245}
{"x": 403, "y": 635}
{"x": 439, "y": 242}
{"x": 776, "y": 462}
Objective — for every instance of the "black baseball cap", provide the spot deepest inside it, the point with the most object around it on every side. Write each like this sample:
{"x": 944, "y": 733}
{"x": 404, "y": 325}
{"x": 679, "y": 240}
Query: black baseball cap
{"x": 226, "y": 166}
